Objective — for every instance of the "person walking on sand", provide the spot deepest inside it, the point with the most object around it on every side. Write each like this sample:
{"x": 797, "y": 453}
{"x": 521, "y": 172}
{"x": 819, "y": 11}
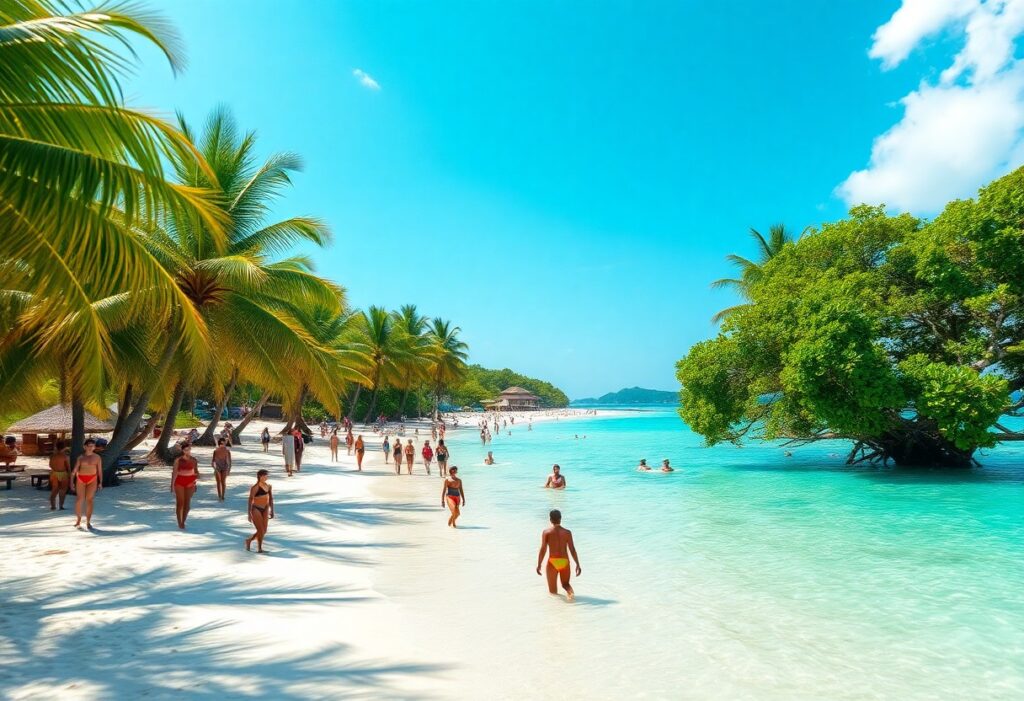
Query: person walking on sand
{"x": 555, "y": 480}
{"x": 288, "y": 449}
{"x": 60, "y": 472}
{"x": 452, "y": 493}
{"x": 428, "y": 455}
{"x": 334, "y": 445}
{"x": 265, "y": 439}
{"x": 442, "y": 458}
{"x": 221, "y": 464}
{"x": 184, "y": 476}
{"x": 261, "y": 509}
{"x": 386, "y": 449}
{"x": 410, "y": 453}
{"x": 349, "y": 441}
{"x": 88, "y": 479}
{"x": 557, "y": 543}
{"x": 360, "y": 450}
{"x": 300, "y": 446}
{"x": 397, "y": 455}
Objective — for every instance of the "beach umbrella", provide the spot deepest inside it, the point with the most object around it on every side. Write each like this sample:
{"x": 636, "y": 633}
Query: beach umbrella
{"x": 57, "y": 419}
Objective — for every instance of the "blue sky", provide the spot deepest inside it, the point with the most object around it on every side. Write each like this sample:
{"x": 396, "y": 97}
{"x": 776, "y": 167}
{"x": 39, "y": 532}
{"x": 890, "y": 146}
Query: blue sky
{"x": 562, "y": 180}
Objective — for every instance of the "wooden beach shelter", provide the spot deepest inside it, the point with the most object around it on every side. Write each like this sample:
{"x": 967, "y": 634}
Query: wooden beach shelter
{"x": 517, "y": 399}
{"x": 40, "y": 432}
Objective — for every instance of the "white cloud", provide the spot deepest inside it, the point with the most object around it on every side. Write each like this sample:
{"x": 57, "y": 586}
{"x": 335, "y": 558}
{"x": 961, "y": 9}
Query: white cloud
{"x": 365, "y": 79}
{"x": 959, "y": 132}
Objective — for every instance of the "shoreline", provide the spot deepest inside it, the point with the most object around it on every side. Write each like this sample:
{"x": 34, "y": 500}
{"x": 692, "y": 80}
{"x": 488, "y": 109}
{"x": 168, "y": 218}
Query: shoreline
{"x": 161, "y": 613}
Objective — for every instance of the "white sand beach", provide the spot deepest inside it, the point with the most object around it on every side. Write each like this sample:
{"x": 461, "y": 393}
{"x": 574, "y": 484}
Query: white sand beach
{"x": 354, "y": 598}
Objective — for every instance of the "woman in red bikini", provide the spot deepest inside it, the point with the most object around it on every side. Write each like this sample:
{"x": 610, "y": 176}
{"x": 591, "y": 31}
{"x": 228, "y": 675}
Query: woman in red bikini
{"x": 261, "y": 509}
{"x": 183, "y": 483}
{"x": 87, "y": 478}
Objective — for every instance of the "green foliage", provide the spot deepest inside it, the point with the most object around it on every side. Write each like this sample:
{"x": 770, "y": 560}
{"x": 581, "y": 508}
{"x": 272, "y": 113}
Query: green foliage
{"x": 184, "y": 419}
{"x": 481, "y": 383}
{"x": 874, "y": 328}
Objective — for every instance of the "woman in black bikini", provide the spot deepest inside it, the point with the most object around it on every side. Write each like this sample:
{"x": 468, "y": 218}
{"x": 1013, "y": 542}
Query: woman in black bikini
{"x": 453, "y": 494}
{"x": 441, "y": 455}
{"x": 261, "y": 509}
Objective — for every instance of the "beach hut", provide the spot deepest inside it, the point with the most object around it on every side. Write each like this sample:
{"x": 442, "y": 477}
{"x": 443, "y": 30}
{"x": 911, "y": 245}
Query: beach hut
{"x": 40, "y": 431}
{"x": 517, "y": 399}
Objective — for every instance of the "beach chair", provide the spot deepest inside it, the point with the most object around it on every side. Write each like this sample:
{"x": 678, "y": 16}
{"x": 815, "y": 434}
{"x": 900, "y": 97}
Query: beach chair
{"x": 8, "y": 478}
{"x": 40, "y": 478}
{"x": 129, "y": 469}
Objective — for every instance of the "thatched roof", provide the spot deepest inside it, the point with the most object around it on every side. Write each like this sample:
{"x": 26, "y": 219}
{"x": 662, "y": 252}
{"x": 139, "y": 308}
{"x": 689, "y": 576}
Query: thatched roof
{"x": 518, "y": 392}
{"x": 57, "y": 419}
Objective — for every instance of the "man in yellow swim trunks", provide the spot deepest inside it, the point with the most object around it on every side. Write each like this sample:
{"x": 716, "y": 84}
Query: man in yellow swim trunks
{"x": 557, "y": 543}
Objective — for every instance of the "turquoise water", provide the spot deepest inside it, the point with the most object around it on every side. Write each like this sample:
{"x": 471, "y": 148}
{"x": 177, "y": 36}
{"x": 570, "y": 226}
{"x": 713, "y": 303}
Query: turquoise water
{"x": 747, "y": 572}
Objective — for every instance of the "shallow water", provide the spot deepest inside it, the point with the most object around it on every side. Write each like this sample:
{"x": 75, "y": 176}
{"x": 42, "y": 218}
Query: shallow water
{"x": 743, "y": 574}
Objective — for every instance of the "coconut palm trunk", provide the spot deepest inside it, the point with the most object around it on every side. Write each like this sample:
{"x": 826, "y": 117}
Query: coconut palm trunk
{"x": 161, "y": 450}
{"x": 145, "y": 432}
{"x": 129, "y": 429}
{"x": 355, "y": 400}
{"x": 236, "y": 432}
{"x": 123, "y": 407}
{"x": 207, "y": 437}
{"x": 373, "y": 399}
{"x": 77, "y": 428}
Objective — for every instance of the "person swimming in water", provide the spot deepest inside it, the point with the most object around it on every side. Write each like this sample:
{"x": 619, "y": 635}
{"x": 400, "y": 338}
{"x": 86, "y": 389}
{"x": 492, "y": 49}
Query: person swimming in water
{"x": 555, "y": 480}
{"x": 261, "y": 509}
{"x": 489, "y": 460}
{"x": 88, "y": 479}
{"x": 453, "y": 493}
{"x": 665, "y": 467}
{"x": 556, "y": 542}
{"x": 643, "y": 466}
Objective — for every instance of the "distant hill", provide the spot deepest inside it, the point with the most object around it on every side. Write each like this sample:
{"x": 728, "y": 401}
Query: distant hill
{"x": 631, "y": 395}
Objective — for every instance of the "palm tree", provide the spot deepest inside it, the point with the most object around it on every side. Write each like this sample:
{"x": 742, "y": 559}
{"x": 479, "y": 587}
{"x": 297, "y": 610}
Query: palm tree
{"x": 80, "y": 174}
{"x": 448, "y": 357}
{"x": 383, "y": 343}
{"x": 250, "y": 302}
{"x": 415, "y": 361}
{"x": 750, "y": 271}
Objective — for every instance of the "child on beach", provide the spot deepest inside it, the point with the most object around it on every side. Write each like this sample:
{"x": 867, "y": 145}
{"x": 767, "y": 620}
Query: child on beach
{"x": 557, "y": 543}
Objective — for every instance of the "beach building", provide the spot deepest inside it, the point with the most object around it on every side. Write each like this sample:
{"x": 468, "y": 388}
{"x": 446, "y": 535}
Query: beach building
{"x": 514, "y": 399}
{"x": 40, "y": 432}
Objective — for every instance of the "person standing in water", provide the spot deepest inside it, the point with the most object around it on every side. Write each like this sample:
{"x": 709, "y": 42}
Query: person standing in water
{"x": 555, "y": 479}
{"x": 60, "y": 473}
{"x": 453, "y": 493}
{"x": 88, "y": 479}
{"x": 410, "y": 453}
{"x": 557, "y": 543}
{"x": 184, "y": 476}
{"x": 489, "y": 460}
{"x": 428, "y": 455}
{"x": 442, "y": 458}
{"x": 360, "y": 450}
{"x": 221, "y": 464}
{"x": 261, "y": 509}
{"x": 334, "y": 445}
{"x": 265, "y": 439}
{"x": 397, "y": 455}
